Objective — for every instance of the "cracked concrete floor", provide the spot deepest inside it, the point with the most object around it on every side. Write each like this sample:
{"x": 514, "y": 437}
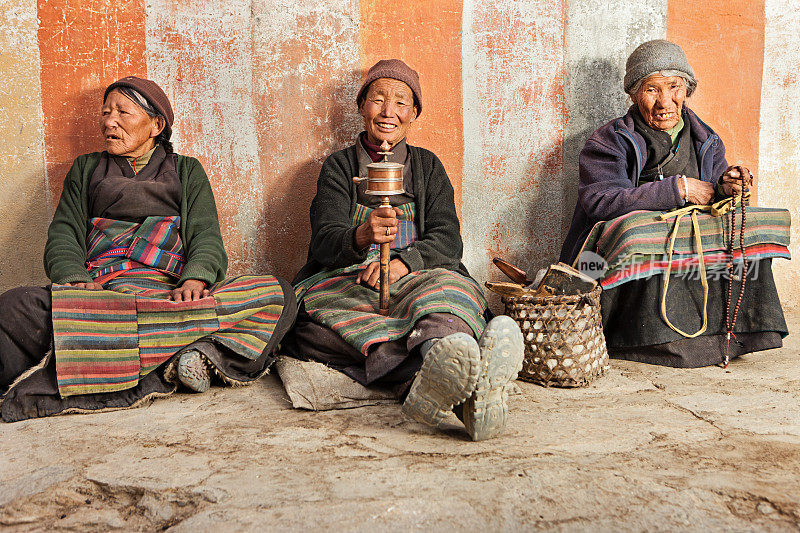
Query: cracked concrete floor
{"x": 643, "y": 448}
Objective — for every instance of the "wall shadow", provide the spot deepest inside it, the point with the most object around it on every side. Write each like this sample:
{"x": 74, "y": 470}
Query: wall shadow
{"x": 286, "y": 220}
{"x": 72, "y": 136}
{"x": 286, "y": 217}
{"x": 540, "y": 238}
{"x": 22, "y": 242}
{"x": 594, "y": 97}
{"x": 345, "y": 121}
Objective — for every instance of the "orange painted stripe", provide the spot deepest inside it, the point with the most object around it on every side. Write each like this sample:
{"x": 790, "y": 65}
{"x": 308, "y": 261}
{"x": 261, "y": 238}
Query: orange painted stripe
{"x": 84, "y": 45}
{"x": 203, "y": 63}
{"x": 724, "y": 42}
{"x": 426, "y": 34}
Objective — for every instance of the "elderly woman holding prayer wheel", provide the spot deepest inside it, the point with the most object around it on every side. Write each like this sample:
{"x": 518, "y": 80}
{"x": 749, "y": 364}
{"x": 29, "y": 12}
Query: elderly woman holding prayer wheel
{"x": 424, "y": 345}
{"x": 139, "y": 302}
{"x": 670, "y": 297}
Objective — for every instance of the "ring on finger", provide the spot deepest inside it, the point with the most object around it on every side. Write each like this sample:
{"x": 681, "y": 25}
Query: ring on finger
{"x": 388, "y": 231}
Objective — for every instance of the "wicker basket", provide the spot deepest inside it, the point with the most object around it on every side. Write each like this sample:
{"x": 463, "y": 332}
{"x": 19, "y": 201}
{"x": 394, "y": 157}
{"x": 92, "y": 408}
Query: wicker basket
{"x": 564, "y": 342}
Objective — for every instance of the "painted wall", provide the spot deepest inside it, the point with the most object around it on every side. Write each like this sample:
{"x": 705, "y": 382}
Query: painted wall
{"x": 779, "y": 149}
{"x": 24, "y": 197}
{"x": 264, "y": 90}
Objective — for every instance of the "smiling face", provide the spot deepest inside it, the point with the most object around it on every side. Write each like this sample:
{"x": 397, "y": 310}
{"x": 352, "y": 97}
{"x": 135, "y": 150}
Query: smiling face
{"x": 660, "y": 100}
{"x": 388, "y": 109}
{"x": 127, "y": 129}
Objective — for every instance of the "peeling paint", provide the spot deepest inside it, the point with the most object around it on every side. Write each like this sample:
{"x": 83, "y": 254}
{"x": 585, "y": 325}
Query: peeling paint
{"x": 426, "y": 34}
{"x": 779, "y": 150}
{"x": 306, "y": 77}
{"x": 257, "y": 90}
{"x": 514, "y": 118}
{"x": 23, "y": 204}
{"x": 201, "y": 53}
{"x": 84, "y": 45}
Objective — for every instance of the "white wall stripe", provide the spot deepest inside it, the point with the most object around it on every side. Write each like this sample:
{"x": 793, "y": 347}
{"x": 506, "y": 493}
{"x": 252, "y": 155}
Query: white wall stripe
{"x": 779, "y": 149}
{"x": 202, "y": 53}
{"x": 600, "y": 36}
{"x": 24, "y": 202}
{"x": 512, "y": 56}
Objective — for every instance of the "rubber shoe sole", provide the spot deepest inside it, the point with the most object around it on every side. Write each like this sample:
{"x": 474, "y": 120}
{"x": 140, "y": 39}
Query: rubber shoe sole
{"x": 448, "y": 376}
{"x": 193, "y": 371}
{"x": 486, "y": 411}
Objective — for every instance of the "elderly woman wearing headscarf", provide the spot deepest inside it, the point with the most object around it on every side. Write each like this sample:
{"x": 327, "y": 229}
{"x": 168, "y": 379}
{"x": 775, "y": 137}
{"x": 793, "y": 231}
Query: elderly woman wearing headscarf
{"x": 428, "y": 340}
{"x": 139, "y": 301}
{"x": 661, "y": 156}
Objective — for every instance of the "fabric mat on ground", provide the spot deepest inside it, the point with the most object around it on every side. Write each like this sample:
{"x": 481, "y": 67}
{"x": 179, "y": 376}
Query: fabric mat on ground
{"x": 317, "y": 387}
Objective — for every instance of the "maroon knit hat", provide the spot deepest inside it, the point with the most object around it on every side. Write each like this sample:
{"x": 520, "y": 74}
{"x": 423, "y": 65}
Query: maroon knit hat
{"x": 152, "y": 92}
{"x": 397, "y": 70}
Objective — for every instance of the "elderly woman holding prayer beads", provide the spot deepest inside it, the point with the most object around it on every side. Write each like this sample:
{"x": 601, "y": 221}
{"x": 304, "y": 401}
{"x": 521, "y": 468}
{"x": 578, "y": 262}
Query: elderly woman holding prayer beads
{"x": 433, "y": 347}
{"x": 661, "y": 156}
{"x": 139, "y": 302}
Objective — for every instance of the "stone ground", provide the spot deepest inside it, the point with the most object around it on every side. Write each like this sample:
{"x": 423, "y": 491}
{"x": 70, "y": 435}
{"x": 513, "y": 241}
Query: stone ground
{"x": 643, "y": 448}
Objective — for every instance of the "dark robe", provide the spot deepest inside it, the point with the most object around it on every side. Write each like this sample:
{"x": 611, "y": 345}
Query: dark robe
{"x": 635, "y": 335}
{"x": 394, "y": 363}
{"x": 665, "y": 158}
{"x": 27, "y": 360}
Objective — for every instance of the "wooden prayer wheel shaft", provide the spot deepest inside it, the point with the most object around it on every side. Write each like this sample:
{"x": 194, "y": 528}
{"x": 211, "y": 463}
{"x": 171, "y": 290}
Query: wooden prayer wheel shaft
{"x": 384, "y": 179}
{"x": 384, "y": 286}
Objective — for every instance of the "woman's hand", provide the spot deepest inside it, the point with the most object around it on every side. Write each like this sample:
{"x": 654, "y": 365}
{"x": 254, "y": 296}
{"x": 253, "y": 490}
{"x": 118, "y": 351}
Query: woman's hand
{"x": 380, "y": 227}
{"x": 191, "y": 290}
{"x": 371, "y": 276}
{"x": 730, "y": 183}
{"x": 91, "y": 285}
{"x": 697, "y": 192}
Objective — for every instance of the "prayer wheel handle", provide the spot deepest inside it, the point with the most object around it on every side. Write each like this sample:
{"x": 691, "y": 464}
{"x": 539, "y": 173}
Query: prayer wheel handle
{"x": 395, "y": 187}
{"x": 385, "y": 250}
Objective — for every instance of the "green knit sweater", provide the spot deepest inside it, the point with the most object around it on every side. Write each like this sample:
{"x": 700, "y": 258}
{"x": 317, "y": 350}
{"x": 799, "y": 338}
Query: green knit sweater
{"x": 332, "y": 245}
{"x": 65, "y": 251}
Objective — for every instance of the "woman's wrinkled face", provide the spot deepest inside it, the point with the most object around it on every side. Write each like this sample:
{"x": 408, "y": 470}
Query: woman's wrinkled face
{"x": 127, "y": 129}
{"x": 388, "y": 109}
{"x": 660, "y": 100}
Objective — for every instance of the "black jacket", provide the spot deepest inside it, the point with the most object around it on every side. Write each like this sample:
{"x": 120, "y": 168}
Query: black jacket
{"x": 438, "y": 243}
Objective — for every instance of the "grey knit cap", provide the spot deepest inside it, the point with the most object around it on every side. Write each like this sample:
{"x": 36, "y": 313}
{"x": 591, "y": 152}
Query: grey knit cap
{"x": 655, "y": 56}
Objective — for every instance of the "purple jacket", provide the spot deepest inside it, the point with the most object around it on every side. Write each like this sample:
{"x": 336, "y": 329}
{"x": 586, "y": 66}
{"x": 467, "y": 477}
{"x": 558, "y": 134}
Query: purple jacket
{"x": 609, "y": 168}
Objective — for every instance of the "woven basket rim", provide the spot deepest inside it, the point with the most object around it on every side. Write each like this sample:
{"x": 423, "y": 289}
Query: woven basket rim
{"x": 566, "y": 298}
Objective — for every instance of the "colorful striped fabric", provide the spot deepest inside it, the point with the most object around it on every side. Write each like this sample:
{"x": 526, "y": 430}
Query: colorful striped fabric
{"x": 334, "y": 299}
{"x": 634, "y": 246}
{"x": 106, "y": 340}
{"x": 406, "y": 229}
{"x": 115, "y": 245}
{"x": 351, "y": 310}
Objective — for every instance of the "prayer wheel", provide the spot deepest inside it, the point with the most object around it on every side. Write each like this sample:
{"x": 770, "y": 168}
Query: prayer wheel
{"x": 384, "y": 179}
